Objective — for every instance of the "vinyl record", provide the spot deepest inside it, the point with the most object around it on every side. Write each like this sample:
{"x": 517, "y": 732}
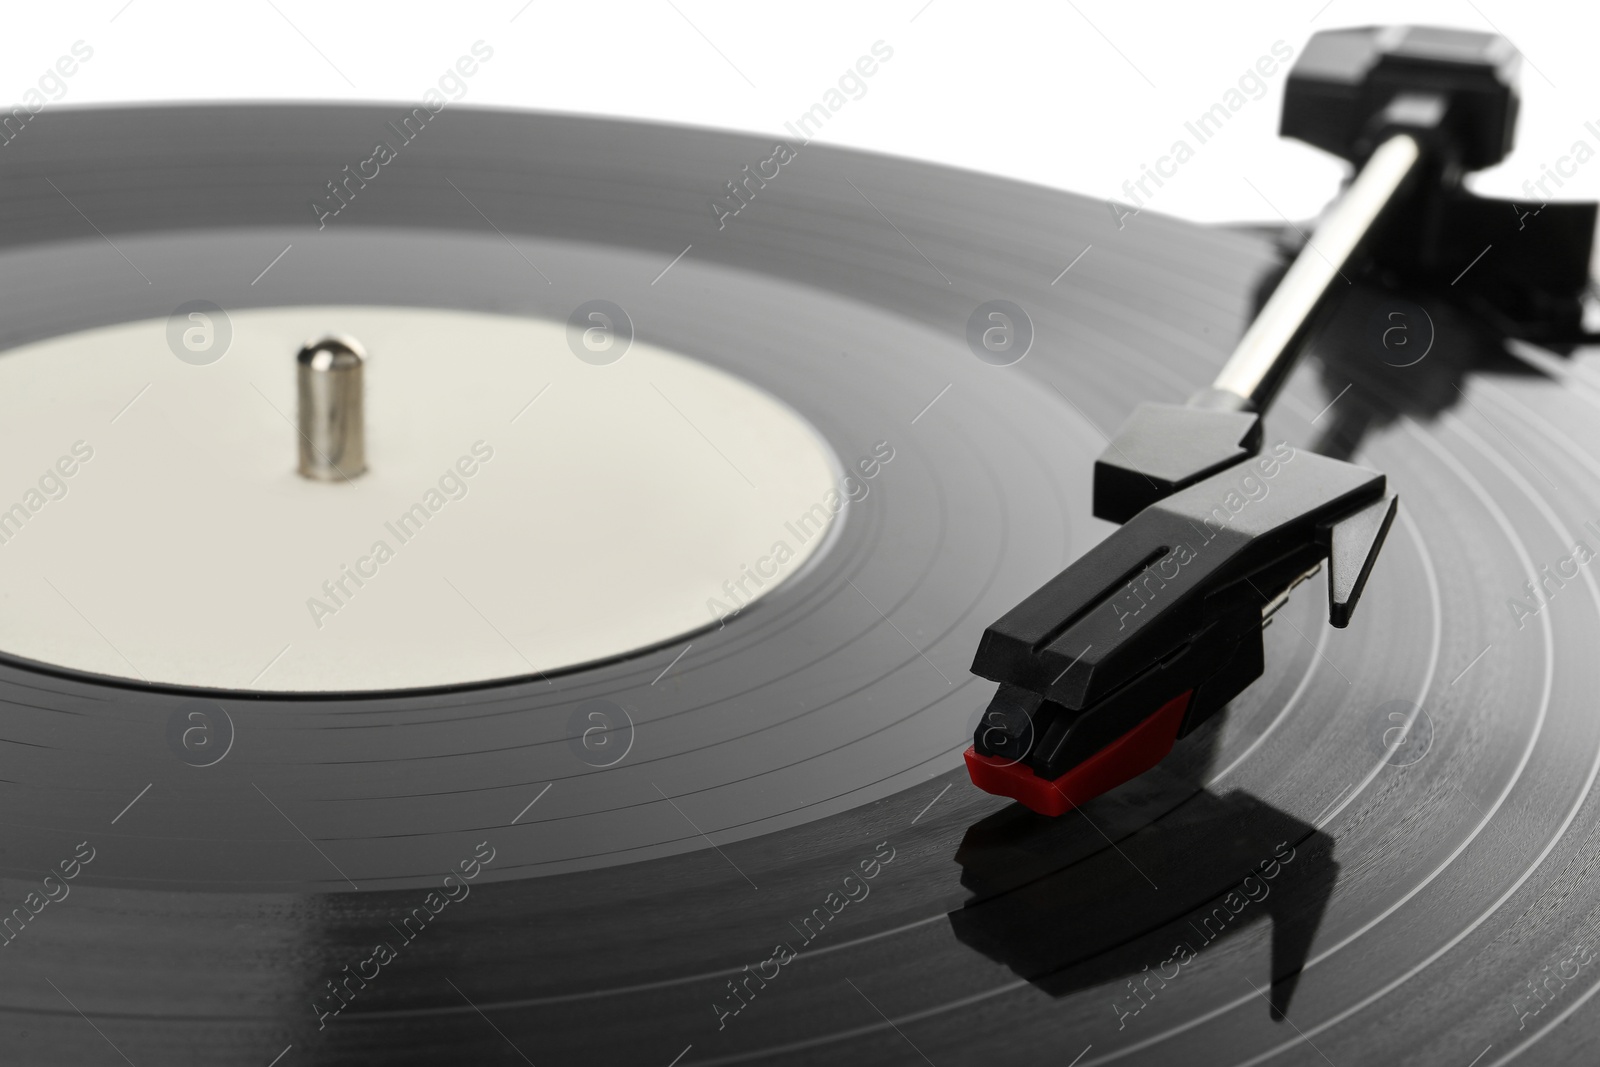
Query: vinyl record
{"x": 755, "y": 842}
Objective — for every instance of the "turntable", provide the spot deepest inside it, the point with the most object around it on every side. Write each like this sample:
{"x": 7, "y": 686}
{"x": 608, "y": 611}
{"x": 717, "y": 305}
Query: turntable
{"x": 514, "y": 618}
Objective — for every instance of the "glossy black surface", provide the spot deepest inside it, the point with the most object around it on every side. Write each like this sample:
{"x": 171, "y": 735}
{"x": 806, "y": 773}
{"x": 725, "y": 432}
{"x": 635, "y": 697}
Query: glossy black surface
{"x": 1430, "y": 769}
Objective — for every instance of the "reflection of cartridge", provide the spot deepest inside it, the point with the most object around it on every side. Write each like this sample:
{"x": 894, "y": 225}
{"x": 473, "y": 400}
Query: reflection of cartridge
{"x": 332, "y": 431}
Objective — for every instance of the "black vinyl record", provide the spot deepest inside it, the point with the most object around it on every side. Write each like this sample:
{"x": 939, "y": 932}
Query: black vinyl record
{"x": 1379, "y": 853}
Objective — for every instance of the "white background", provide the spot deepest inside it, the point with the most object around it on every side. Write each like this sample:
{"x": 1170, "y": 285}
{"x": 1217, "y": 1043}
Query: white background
{"x": 1074, "y": 95}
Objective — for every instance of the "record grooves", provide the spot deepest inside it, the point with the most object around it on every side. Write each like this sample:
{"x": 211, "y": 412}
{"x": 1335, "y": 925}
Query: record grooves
{"x": 634, "y": 911}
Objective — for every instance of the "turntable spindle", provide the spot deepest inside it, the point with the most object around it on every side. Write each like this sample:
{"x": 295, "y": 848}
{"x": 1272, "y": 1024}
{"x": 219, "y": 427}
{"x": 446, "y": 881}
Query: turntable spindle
{"x": 332, "y": 429}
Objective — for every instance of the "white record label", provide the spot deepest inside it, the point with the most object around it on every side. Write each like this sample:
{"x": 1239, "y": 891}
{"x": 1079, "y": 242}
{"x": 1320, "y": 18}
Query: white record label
{"x": 524, "y": 509}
